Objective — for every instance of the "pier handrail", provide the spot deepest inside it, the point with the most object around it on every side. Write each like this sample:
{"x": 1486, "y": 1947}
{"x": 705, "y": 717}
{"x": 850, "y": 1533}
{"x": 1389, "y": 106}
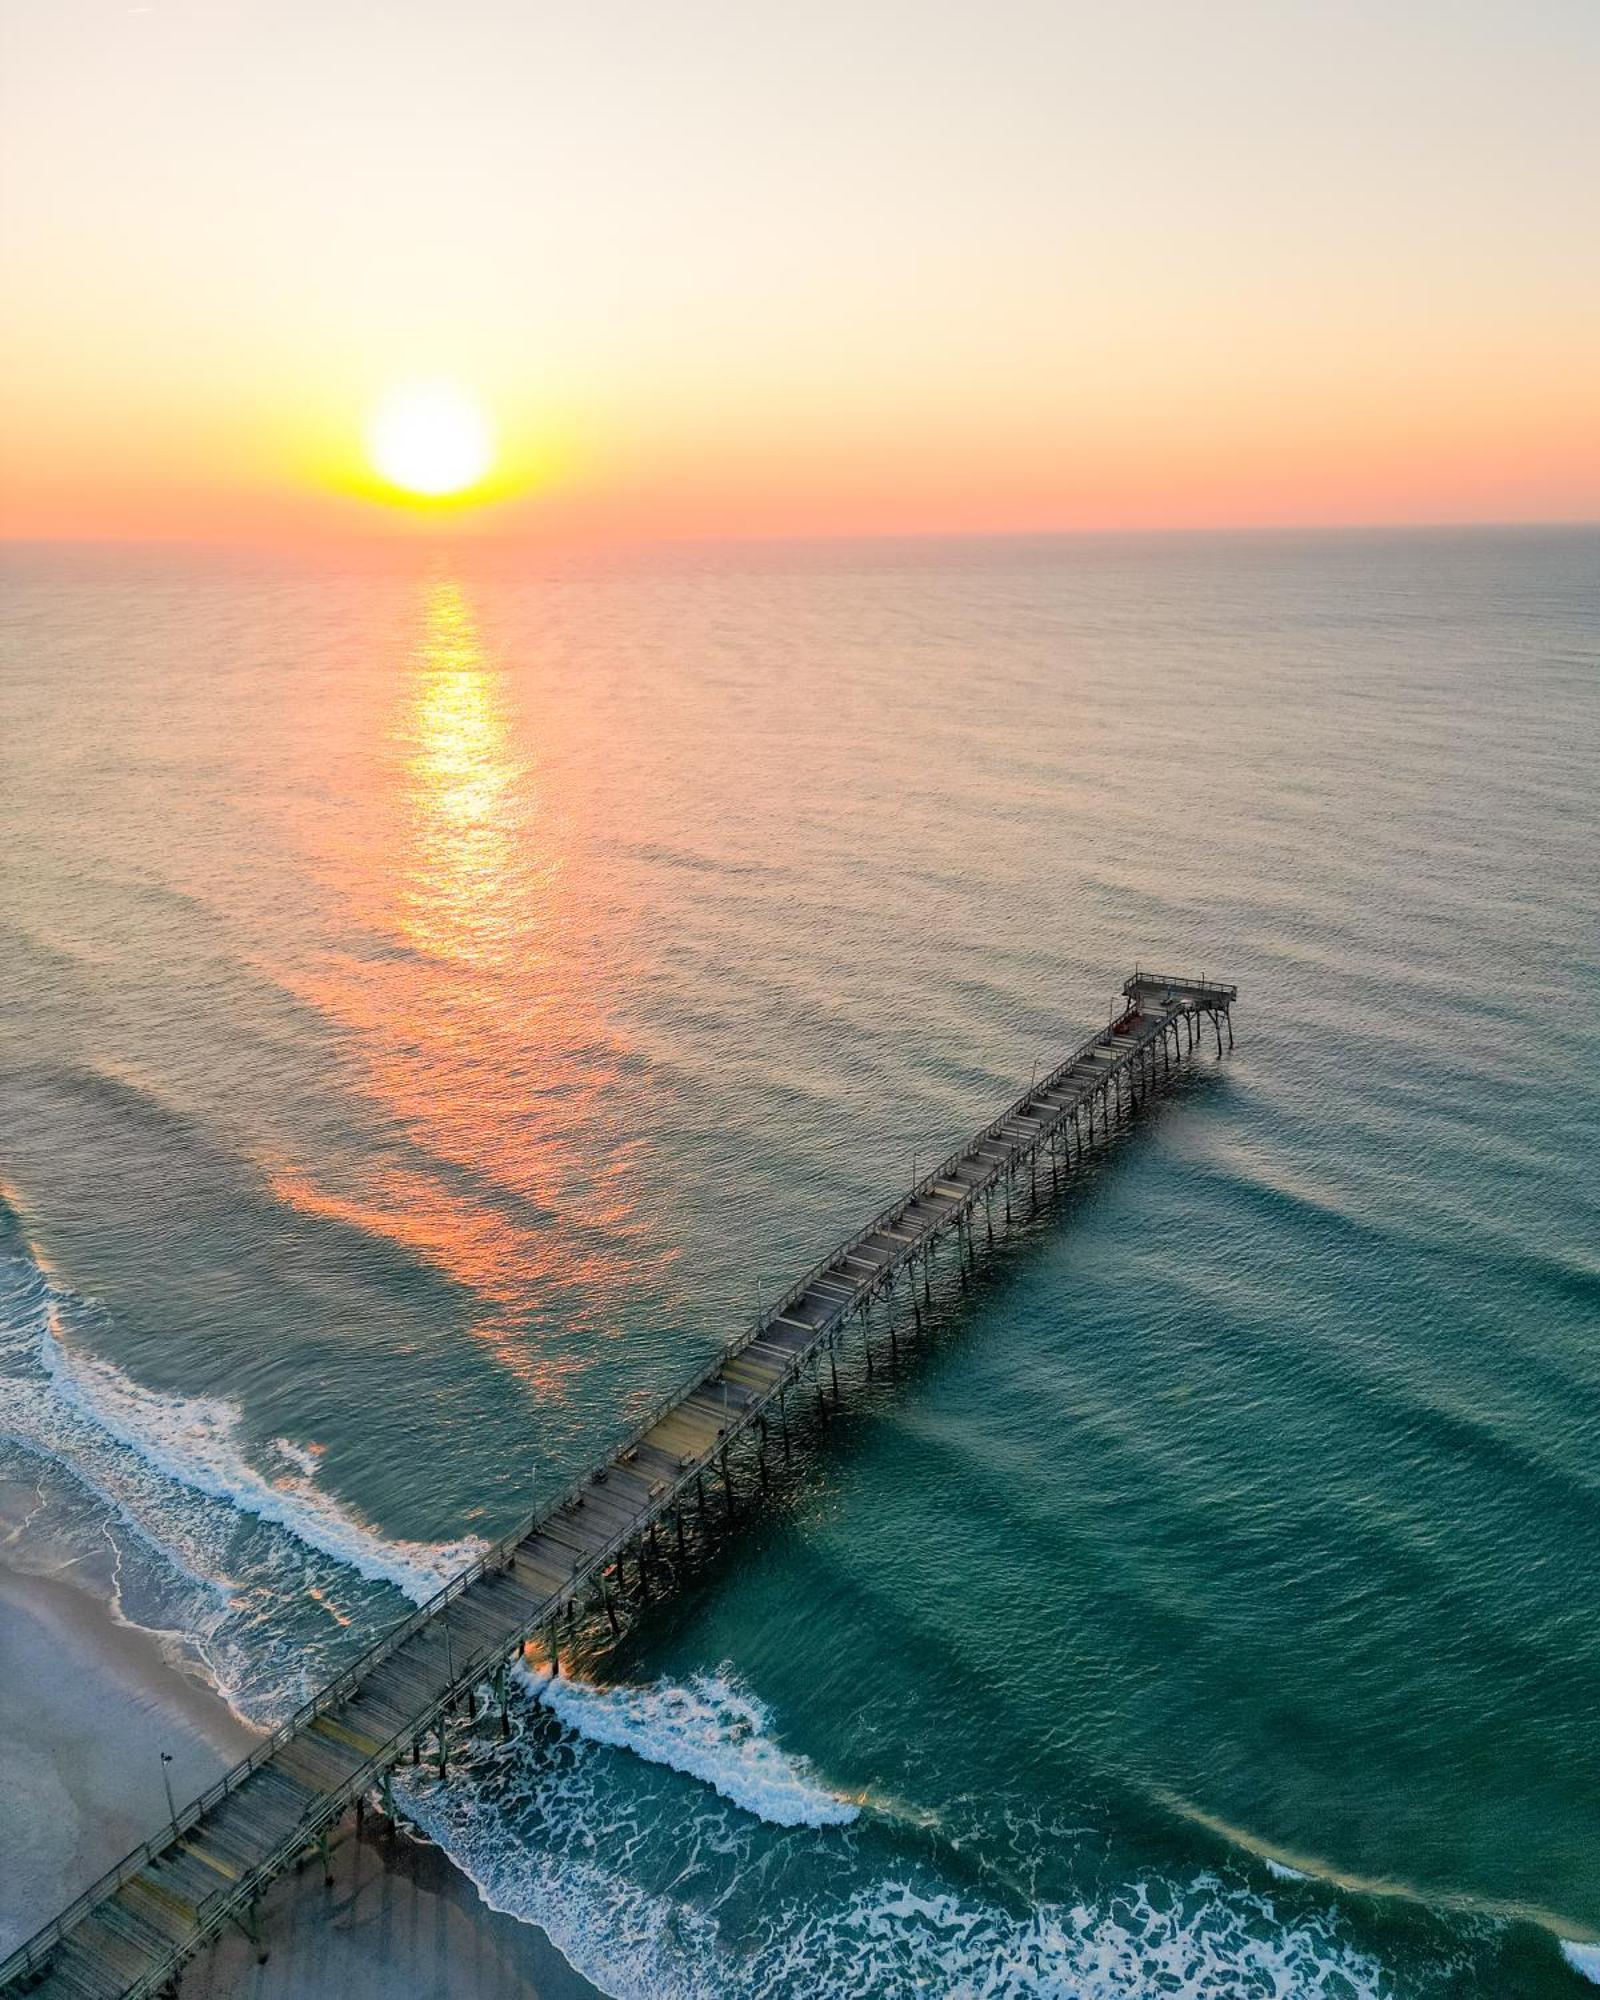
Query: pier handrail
{"x": 27, "y": 1954}
{"x": 1179, "y": 983}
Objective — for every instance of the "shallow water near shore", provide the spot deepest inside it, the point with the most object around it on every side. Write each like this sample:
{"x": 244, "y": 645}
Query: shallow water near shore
{"x": 445, "y": 989}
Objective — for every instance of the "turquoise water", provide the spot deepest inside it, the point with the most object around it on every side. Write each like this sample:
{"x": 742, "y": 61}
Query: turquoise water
{"x": 439, "y": 990}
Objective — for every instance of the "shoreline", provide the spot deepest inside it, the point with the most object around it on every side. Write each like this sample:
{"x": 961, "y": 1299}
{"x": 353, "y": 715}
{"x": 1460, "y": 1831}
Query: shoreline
{"x": 88, "y": 1704}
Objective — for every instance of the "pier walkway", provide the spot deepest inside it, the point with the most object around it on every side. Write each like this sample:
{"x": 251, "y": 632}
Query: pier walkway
{"x": 129, "y": 1935}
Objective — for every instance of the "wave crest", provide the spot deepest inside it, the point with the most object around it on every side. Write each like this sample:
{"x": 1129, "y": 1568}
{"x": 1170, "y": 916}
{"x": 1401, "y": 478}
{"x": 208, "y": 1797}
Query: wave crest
{"x": 712, "y": 1730}
{"x": 227, "y": 1547}
{"x": 1584, "y": 1958}
{"x": 198, "y": 1441}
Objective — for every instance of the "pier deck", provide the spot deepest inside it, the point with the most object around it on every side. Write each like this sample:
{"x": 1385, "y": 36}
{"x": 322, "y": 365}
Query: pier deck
{"x": 129, "y": 1935}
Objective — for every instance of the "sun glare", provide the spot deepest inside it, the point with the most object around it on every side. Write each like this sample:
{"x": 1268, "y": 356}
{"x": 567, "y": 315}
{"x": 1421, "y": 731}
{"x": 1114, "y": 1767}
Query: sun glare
{"x": 431, "y": 440}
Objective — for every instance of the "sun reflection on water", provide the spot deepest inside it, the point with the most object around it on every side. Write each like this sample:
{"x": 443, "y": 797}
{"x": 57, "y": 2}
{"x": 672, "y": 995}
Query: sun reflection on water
{"x": 480, "y": 1026}
{"x": 464, "y": 883}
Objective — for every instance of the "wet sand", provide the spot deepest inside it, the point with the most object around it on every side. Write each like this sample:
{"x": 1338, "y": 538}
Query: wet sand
{"x": 87, "y": 1705}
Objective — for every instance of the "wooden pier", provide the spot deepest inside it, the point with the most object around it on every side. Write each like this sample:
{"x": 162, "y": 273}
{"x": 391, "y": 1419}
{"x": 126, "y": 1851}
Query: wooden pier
{"x": 129, "y": 1935}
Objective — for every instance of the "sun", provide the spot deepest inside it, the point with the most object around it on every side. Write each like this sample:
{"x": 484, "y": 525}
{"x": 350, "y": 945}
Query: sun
{"x": 430, "y": 439}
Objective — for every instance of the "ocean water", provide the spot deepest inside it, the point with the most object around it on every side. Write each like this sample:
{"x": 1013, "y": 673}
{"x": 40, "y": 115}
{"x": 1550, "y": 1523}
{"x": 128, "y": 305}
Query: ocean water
{"x": 442, "y": 987}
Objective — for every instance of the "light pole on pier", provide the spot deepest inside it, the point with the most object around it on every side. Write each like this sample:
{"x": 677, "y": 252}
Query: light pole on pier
{"x": 166, "y": 1785}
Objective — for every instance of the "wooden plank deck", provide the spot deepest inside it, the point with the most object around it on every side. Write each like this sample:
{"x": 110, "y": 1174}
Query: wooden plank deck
{"x": 125, "y": 1938}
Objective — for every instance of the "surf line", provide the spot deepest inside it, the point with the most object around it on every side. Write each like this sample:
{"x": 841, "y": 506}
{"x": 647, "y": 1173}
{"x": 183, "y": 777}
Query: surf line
{"x": 1579, "y": 1944}
{"x": 628, "y": 1531}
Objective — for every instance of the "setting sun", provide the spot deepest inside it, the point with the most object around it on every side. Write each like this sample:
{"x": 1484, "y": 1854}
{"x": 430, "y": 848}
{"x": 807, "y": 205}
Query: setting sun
{"x": 431, "y": 440}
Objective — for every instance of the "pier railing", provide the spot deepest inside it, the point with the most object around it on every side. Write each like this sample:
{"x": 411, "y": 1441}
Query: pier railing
{"x": 1189, "y": 995}
{"x": 1206, "y": 992}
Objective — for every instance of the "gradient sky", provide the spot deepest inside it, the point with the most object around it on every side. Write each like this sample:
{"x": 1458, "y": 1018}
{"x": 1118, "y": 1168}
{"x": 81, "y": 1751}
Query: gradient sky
{"x": 751, "y": 269}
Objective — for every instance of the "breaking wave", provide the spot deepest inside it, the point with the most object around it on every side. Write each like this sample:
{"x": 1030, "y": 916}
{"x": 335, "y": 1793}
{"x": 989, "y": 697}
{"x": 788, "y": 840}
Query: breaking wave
{"x": 712, "y": 1730}
{"x": 1584, "y": 1958}
{"x": 647, "y": 1897}
{"x": 218, "y": 1542}
{"x": 197, "y": 1441}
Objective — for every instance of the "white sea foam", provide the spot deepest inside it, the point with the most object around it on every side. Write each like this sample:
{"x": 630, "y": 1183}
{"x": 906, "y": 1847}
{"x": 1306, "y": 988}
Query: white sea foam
{"x": 1584, "y": 1958}
{"x": 712, "y": 1730}
{"x": 657, "y": 1894}
{"x": 567, "y": 1851}
{"x": 1200, "y": 1940}
{"x": 1282, "y": 1871}
{"x": 197, "y": 1440}
{"x": 212, "y": 1543}
{"x": 630, "y": 1943}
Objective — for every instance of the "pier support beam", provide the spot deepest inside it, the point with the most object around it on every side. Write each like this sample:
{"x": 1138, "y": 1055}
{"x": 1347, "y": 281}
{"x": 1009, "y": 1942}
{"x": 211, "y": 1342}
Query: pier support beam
{"x": 583, "y": 1542}
{"x": 249, "y": 1921}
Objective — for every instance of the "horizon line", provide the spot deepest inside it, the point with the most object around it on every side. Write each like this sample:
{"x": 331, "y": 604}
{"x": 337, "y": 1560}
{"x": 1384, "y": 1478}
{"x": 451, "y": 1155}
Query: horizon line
{"x": 419, "y": 537}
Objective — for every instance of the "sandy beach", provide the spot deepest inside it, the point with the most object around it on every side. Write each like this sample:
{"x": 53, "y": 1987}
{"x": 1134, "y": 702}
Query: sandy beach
{"x": 87, "y": 1706}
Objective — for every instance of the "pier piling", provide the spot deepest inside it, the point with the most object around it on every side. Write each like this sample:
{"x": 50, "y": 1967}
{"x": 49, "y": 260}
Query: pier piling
{"x": 128, "y": 1936}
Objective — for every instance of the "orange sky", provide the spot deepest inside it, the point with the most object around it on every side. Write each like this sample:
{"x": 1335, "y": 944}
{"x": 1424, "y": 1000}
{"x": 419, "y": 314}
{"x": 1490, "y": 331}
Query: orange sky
{"x": 720, "y": 269}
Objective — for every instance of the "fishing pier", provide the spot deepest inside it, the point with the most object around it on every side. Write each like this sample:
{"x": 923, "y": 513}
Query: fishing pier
{"x": 615, "y": 1537}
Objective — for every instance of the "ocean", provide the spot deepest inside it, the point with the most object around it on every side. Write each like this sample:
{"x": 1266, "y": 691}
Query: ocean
{"x": 444, "y": 986}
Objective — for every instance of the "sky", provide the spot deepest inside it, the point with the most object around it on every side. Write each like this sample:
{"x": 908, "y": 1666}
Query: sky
{"x": 747, "y": 269}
